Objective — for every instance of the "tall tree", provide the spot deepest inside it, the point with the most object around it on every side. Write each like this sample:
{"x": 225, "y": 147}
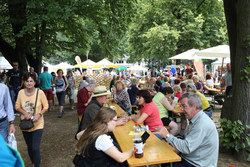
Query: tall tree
{"x": 237, "y": 107}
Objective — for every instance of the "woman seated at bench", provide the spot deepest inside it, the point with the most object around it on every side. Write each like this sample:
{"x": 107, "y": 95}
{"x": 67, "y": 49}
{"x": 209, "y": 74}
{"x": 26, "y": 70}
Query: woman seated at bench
{"x": 149, "y": 113}
{"x": 95, "y": 146}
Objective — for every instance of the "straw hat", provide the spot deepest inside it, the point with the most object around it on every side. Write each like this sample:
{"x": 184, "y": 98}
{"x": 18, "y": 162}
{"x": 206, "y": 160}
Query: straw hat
{"x": 100, "y": 91}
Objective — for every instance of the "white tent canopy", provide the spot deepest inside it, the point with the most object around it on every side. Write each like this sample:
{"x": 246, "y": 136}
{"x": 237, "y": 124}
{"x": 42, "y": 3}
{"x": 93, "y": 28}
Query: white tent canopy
{"x": 105, "y": 62}
{"x": 219, "y": 61}
{"x": 4, "y": 64}
{"x": 88, "y": 62}
{"x": 216, "y": 52}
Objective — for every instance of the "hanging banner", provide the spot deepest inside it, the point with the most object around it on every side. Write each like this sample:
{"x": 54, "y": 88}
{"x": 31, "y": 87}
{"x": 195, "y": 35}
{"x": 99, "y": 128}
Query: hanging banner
{"x": 79, "y": 62}
{"x": 198, "y": 64}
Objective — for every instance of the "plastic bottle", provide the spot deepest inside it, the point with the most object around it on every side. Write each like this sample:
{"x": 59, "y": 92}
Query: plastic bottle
{"x": 136, "y": 129}
{"x": 138, "y": 144}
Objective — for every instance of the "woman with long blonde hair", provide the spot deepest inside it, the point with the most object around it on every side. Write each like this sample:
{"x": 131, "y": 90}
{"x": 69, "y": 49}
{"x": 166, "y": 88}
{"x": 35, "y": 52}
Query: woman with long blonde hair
{"x": 95, "y": 146}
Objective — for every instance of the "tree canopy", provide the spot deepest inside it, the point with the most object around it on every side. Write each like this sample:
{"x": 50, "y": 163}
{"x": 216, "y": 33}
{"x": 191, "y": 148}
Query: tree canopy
{"x": 154, "y": 30}
{"x": 32, "y": 29}
{"x": 161, "y": 29}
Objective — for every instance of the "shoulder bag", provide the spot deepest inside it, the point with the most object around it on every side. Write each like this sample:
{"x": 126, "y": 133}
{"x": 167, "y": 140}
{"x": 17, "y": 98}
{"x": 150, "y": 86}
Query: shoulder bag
{"x": 27, "y": 124}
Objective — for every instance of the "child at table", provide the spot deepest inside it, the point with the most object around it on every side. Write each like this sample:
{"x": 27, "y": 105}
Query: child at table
{"x": 177, "y": 92}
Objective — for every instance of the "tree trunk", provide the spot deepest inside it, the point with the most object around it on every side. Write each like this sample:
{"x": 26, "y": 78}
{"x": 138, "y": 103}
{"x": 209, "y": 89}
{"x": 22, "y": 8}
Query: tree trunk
{"x": 17, "y": 13}
{"x": 231, "y": 20}
{"x": 7, "y": 50}
{"x": 238, "y": 22}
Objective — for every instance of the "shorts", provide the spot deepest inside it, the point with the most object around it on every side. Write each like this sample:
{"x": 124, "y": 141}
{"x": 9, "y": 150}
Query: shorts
{"x": 61, "y": 97}
{"x": 48, "y": 93}
{"x": 72, "y": 96}
{"x": 166, "y": 121}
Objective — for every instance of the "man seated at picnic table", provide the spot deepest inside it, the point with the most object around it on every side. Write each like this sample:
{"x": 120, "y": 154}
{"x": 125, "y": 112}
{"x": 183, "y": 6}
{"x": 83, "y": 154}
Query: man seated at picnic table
{"x": 99, "y": 98}
{"x": 201, "y": 144}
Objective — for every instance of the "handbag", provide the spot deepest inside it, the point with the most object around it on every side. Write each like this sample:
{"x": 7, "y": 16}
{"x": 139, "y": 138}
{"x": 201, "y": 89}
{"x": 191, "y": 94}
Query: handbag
{"x": 26, "y": 124}
{"x": 69, "y": 91}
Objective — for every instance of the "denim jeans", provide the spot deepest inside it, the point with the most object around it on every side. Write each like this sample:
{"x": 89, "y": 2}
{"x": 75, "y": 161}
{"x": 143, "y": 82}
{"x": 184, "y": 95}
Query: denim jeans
{"x": 13, "y": 95}
{"x": 33, "y": 140}
{"x": 4, "y": 130}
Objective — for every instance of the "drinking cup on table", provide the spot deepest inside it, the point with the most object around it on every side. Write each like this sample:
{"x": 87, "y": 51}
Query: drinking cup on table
{"x": 125, "y": 115}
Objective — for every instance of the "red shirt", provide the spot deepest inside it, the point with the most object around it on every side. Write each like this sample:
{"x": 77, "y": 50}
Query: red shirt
{"x": 189, "y": 71}
{"x": 153, "y": 120}
{"x": 82, "y": 98}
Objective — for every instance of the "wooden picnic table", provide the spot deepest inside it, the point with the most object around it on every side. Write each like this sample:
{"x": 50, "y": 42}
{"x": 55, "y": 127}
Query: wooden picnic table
{"x": 155, "y": 150}
{"x": 216, "y": 90}
{"x": 177, "y": 110}
{"x": 117, "y": 108}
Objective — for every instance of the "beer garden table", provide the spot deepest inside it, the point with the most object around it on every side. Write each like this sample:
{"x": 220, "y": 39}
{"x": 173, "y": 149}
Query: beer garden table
{"x": 155, "y": 150}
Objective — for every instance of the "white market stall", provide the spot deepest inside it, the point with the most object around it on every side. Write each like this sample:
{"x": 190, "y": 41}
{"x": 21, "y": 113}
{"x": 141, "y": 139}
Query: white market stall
{"x": 138, "y": 70}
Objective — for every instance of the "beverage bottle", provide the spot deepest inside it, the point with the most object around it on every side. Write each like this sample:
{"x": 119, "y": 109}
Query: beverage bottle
{"x": 138, "y": 145}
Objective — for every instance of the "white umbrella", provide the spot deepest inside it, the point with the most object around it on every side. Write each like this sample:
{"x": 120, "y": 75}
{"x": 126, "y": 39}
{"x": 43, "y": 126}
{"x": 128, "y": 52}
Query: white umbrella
{"x": 189, "y": 55}
{"x": 4, "y": 64}
{"x": 215, "y": 52}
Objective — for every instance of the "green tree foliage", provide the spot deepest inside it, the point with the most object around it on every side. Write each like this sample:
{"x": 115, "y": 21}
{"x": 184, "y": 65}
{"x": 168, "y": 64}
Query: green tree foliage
{"x": 161, "y": 29}
{"x": 33, "y": 29}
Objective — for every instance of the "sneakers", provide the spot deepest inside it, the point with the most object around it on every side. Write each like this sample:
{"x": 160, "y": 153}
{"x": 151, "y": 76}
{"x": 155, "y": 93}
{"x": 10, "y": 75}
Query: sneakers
{"x": 72, "y": 107}
{"x": 60, "y": 115}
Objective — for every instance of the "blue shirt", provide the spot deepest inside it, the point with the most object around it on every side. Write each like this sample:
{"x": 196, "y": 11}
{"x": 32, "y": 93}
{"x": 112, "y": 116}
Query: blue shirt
{"x": 6, "y": 107}
{"x": 132, "y": 93}
{"x": 45, "y": 78}
{"x": 201, "y": 144}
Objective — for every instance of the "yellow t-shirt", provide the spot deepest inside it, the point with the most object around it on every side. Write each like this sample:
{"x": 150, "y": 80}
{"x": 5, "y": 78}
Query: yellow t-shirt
{"x": 205, "y": 103}
{"x": 27, "y": 103}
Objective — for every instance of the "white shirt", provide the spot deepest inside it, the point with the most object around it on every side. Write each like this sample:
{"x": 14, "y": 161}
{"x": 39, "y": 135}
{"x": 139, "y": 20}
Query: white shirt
{"x": 103, "y": 143}
{"x": 210, "y": 82}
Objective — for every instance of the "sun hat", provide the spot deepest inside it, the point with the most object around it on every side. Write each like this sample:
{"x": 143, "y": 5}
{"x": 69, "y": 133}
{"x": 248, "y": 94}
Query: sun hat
{"x": 192, "y": 87}
{"x": 100, "y": 91}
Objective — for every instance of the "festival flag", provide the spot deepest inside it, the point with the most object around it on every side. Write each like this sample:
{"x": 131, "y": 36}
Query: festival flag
{"x": 79, "y": 62}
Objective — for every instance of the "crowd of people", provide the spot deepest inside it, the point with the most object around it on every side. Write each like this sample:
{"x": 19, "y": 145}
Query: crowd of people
{"x": 154, "y": 97}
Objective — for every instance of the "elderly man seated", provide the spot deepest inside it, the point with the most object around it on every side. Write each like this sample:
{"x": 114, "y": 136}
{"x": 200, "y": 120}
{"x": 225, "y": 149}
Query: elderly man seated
{"x": 201, "y": 144}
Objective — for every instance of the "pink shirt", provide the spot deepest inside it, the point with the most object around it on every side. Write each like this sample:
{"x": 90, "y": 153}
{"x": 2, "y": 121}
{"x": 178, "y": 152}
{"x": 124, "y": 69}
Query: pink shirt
{"x": 153, "y": 120}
